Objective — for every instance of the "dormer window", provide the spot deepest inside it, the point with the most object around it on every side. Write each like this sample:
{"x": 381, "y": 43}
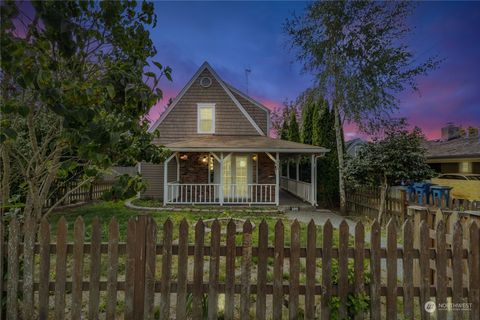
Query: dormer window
{"x": 206, "y": 117}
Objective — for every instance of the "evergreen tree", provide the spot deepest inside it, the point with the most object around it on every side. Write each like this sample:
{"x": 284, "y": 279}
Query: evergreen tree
{"x": 307, "y": 121}
{"x": 324, "y": 135}
{"x": 293, "y": 128}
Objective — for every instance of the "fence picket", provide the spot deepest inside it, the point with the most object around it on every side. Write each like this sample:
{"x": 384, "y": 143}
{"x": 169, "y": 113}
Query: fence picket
{"x": 375, "y": 283}
{"x": 262, "y": 270}
{"x": 294, "y": 279}
{"x": 28, "y": 267}
{"x": 441, "y": 269}
{"x": 278, "y": 270}
{"x": 77, "y": 272}
{"x": 327, "y": 269}
{"x": 474, "y": 271}
{"x": 343, "y": 269}
{"x": 44, "y": 273}
{"x": 112, "y": 269}
{"x": 230, "y": 270}
{"x": 150, "y": 265}
{"x": 391, "y": 270}
{"x": 424, "y": 262}
{"x": 13, "y": 268}
{"x": 182, "y": 270}
{"x": 166, "y": 270}
{"x": 359, "y": 281}
{"x": 457, "y": 268}
{"x": 95, "y": 263}
{"x": 310, "y": 270}
{"x": 246, "y": 271}
{"x": 60, "y": 271}
{"x": 197, "y": 291}
{"x": 214, "y": 266}
{"x": 130, "y": 269}
{"x": 407, "y": 264}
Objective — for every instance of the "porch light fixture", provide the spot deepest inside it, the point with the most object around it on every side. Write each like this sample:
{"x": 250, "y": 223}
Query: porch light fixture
{"x": 254, "y": 157}
{"x": 205, "y": 159}
{"x": 183, "y": 157}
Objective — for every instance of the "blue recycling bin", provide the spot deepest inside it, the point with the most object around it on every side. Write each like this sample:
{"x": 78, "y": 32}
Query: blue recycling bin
{"x": 440, "y": 192}
{"x": 422, "y": 190}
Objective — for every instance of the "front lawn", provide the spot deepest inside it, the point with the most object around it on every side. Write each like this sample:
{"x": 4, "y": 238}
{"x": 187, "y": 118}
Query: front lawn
{"x": 105, "y": 211}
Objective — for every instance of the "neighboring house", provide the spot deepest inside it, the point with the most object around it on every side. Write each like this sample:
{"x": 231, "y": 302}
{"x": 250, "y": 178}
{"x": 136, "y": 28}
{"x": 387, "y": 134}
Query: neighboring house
{"x": 353, "y": 146}
{"x": 221, "y": 150}
{"x": 455, "y": 152}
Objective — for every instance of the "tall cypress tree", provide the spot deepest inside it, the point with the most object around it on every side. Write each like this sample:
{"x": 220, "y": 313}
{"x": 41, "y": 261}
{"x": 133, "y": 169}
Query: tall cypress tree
{"x": 307, "y": 121}
{"x": 293, "y": 128}
{"x": 324, "y": 135}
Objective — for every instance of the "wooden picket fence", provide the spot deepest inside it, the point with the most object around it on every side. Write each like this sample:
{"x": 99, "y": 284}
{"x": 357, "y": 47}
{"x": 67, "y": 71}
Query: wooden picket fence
{"x": 88, "y": 192}
{"x": 140, "y": 274}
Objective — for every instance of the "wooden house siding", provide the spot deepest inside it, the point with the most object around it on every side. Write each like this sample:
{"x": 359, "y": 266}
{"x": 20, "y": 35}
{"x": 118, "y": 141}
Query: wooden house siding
{"x": 152, "y": 174}
{"x": 259, "y": 115}
{"x": 181, "y": 121}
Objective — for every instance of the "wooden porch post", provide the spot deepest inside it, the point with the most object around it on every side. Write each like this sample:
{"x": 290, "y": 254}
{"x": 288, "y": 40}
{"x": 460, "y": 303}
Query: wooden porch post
{"x": 178, "y": 167}
{"x": 220, "y": 192}
{"x": 277, "y": 182}
{"x": 288, "y": 168}
{"x": 312, "y": 180}
{"x": 297, "y": 163}
{"x": 165, "y": 178}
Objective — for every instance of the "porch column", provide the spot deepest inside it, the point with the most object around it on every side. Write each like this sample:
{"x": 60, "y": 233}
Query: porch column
{"x": 220, "y": 192}
{"x": 297, "y": 163}
{"x": 178, "y": 167}
{"x": 165, "y": 178}
{"x": 288, "y": 168}
{"x": 277, "y": 182}
{"x": 313, "y": 180}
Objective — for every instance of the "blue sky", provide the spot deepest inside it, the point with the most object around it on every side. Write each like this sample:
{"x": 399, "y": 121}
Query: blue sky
{"x": 233, "y": 36}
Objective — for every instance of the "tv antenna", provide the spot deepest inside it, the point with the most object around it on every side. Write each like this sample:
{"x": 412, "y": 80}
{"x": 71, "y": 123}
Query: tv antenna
{"x": 247, "y": 73}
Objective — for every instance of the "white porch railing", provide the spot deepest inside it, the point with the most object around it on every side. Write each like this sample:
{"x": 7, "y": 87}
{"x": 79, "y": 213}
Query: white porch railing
{"x": 195, "y": 193}
{"x": 299, "y": 188}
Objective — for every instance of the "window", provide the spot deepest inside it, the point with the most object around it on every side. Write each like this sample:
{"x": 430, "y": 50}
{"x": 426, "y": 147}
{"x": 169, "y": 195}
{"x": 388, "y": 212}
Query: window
{"x": 206, "y": 117}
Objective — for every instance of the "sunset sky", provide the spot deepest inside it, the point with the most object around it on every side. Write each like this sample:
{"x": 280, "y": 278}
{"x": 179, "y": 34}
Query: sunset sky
{"x": 233, "y": 36}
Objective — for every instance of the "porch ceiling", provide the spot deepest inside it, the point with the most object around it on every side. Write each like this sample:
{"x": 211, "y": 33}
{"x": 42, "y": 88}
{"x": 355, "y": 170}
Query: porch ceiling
{"x": 216, "y": 143}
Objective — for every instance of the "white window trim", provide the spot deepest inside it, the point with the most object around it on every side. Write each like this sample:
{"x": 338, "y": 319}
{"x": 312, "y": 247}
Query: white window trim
{"x": 205, "y": 105}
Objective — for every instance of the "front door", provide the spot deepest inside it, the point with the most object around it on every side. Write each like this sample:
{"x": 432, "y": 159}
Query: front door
{"x": 235, "y": 177}
{"x": 241, "y": 176}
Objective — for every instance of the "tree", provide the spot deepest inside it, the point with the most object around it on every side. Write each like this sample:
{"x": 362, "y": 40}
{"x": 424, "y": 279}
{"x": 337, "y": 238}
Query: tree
{"x": 395, "y": 159}
{"x": 75, "y": 85}
{"x": 357, "y": 50}
{"x": 293, "y": 128}
{"x": 309, "y": 107}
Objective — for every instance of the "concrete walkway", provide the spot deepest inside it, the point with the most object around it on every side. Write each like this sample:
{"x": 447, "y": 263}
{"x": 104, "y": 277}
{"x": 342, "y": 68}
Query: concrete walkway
{"x": 319, "y": 217}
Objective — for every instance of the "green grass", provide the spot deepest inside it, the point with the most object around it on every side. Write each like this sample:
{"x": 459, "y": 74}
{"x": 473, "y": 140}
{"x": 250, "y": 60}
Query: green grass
{"x": 105, "y": 211}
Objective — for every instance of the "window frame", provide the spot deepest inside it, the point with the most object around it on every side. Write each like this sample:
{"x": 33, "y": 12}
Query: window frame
{"x": 199, "y": 107}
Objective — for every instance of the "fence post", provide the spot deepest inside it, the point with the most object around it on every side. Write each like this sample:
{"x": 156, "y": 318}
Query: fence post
{"x": 404, "y": 205}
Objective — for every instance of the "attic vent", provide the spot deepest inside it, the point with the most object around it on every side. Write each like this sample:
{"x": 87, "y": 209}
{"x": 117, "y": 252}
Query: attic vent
{"x": 205, "y": 82}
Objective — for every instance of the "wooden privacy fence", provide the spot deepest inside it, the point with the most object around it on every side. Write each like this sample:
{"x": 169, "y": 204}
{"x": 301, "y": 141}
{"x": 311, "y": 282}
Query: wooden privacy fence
{"x": 172, "y": 277}
{"x": 365, "y": 201}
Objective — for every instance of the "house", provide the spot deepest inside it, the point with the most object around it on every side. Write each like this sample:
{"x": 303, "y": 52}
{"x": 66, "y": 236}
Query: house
{"x": 456, "y": 152}
{"x": 221, "y": 150}
{"x": 352, "y": 147}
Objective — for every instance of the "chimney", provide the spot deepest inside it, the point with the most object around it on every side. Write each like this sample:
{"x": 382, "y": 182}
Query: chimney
{"x": 450, "y": 131}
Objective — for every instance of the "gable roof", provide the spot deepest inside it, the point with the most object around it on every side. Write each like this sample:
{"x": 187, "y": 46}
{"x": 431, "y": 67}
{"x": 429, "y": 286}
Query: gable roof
{"x": 207, "y": 66}
{"x": 455, "y": 148}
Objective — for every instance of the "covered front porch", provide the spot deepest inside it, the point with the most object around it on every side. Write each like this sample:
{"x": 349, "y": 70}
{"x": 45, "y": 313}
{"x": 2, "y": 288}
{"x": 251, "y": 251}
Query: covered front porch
{"x": 220, "y": 170}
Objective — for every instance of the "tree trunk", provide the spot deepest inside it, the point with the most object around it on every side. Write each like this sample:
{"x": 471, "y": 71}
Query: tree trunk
{"x": 383, "y": 200}
{"x": 6, "y": 173}
{"x": 341, "y": 158}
